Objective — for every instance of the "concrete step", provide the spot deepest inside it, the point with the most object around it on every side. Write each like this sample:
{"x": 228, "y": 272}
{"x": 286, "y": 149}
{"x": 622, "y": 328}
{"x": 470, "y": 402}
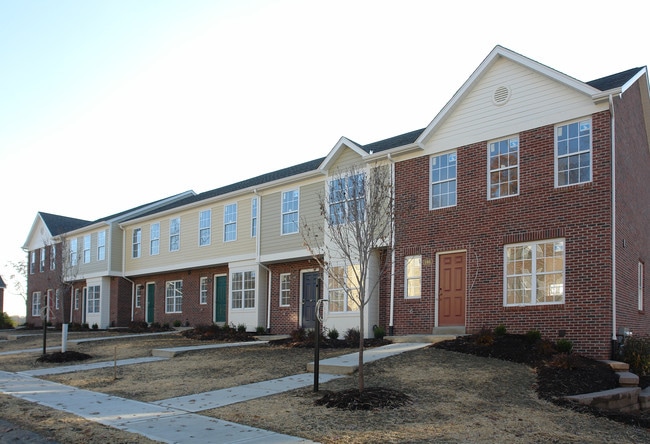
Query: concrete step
{"x": 627, "y": 379}
{"x": 457, "y": 330}
{"x": 420, "y": 338}
{"x": 617, "y": 365}
{"x": 623, "y": 399}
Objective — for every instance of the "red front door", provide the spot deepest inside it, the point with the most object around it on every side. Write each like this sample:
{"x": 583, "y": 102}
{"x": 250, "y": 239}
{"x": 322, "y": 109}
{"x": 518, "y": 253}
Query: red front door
{"x": 451, "y": 293}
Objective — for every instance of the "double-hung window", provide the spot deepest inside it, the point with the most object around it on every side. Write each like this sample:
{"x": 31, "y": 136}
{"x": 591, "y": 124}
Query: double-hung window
{"x": 93, "y": 299}
{"x": 77, "y": 296}
{"x": 137, "y": 241}
{"x": 41, "y": 265}
{"x": 573, "y": 153}
{"x": 32, "y": 262}
{"x": 138, "y": 295}
{"x": 203, "y": 291}
{"x": 154, "y": 239}
{"x": 175, "y": 234}
{"x": 73, "y": 252}
{"x": 343, "y": 286}
{"x": 503, "y": 164}
{"x": 205, "y": 218}
{"x": 174, "y": 297}
{"x": 101, "y": 245}
{"x": 413, "y": 276}
{"x": 285, "y": 289}
{"x": 443, "y": 181}
{"x": 254, "y": 217}
{"x": 347, "y": 199}
{"x": 86, "y": 248}
{"x": 230, "y": 223}
{"x": 243, "y": 289}
{"x": 36, "y": 303}
{"x": 53, "y": 257}
{"x": 534, "y": 273}
{"x": 290, "y": 211}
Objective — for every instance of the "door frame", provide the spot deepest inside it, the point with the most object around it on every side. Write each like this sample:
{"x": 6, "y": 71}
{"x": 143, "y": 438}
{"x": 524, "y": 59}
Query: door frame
{"x": 214, "y": 296}
{"x": 437, "y": 282}
{"x": 302, "y": 293}
{"x": 146, "y": 298}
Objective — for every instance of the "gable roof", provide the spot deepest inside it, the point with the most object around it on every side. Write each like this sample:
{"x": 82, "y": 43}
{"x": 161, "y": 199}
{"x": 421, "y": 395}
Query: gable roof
{"x": 613, "y": 81}
{"x": 61, "y": 224}
{"x": 2, "y": 283}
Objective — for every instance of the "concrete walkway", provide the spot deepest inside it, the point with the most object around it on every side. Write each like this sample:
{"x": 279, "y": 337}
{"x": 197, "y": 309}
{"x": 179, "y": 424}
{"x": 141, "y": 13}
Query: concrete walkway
{"x": 175, "y": 419}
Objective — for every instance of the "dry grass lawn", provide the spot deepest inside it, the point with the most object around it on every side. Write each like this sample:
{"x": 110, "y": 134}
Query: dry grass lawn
{"x": 457, "y": 397}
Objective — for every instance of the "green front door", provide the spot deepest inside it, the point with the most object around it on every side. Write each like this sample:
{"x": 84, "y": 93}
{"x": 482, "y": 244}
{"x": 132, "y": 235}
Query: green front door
{"x": 220, "y": 298}
{"x": 151, "y": 290}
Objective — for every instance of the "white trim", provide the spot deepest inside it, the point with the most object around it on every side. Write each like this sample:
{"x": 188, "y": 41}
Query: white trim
{"x": 489, "y": 170}
{"x": 282, "y": 213}
{"x": 280, "y": 289}
{"x": 591, "y": 151}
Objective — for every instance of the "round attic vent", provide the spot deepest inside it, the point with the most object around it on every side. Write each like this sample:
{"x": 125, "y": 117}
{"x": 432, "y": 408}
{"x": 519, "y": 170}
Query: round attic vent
{"x": 501, "y": 95}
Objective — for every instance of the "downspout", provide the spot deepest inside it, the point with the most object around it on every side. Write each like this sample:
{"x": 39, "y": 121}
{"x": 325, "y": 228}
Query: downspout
{"x": 613, "y": 173}
{"x": 258, "y": 235}
{"x": 391, "y": 327}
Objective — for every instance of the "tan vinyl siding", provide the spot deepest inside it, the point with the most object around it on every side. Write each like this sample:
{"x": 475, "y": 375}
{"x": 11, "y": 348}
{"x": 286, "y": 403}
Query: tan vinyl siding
{"x": 477, "y": 118}
{"x": 94, "y": 267}
{"x": 115, "y": 247}
{"x": 190, "y": 253}
{"x": 344, "y": 161}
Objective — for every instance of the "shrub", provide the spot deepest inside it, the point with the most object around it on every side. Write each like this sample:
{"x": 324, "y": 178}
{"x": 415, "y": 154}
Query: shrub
{"x": 636, "y": 352}
{"x": 379, "y": 332}
{"x": 352, "y": 336}
{"x": 241, "y": 328}
{"x": 6, "y": 321}
{"x": 177, "y": 323}
{"x": 533, "y": 336}
{"x": 260, "y": 330}
{"x": 333, "y": 334}
{"x": 564, "y": 346}
{"x": 299, "y": 335}
{"x": 485, "y": 337}
{"x": 95, "y": 326}
{"x": 500, "y": 330}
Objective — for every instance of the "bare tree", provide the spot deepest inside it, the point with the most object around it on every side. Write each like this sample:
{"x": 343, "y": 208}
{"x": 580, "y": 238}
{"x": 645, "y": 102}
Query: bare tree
{"x": 354, "y": 230}
{"x": 19, "y": 279}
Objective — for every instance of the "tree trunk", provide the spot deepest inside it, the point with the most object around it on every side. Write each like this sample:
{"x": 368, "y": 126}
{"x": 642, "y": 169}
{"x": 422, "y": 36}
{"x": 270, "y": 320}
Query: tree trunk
{"x": 361, "y": 341}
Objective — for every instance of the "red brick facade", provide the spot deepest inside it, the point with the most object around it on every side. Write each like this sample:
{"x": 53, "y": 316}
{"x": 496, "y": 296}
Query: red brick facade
{"x": 47, "y": 281}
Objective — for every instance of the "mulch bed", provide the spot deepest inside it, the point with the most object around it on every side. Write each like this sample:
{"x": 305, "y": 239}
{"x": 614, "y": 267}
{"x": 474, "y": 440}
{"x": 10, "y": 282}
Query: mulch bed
{"x": 370, "y": 398}
{"x": 67, "y": 356}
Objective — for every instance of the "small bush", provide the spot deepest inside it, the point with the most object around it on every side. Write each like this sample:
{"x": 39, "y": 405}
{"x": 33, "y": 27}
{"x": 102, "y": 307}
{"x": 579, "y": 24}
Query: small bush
{"x": 379, "y": 332}
{"x": 636, "y": 352}
{"x": 500, "y": 330}
{"x": 241, "y": 328}
{"x": 533, "y": 336}
{"x": 95, "y": 326}
{"x": 299, "y": 335}
{"x": 260, "y": 330}
{"x": 6, "y": 321}
{"x": 333, "y": 334}
{"x": 352, "y": 336}
{"x": 177, "y": 323}
{"x": 564, "y": 346}
{"x": 485, "y": 337}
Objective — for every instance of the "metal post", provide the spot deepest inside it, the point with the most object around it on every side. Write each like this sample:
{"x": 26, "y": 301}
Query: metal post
{"x": 64, "y": 338}
{"x": 316, "y": 351}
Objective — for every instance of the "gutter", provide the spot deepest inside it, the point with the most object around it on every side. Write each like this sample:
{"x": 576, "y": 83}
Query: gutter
{"x": 613, "y": 173}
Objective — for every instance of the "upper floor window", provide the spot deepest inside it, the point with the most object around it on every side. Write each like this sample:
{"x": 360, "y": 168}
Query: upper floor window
{"x": 32, "y": 262}
{"x": 534, "y": 273}
{"x": 290, "y": 212}
{"x": 53, "y": 257}
{"x": 41, "y": 264}
{"x": 174, "y": 297}
{"x": 285, "y": 289}
{"x": 73, "y": 252}
{"x": 203, "y": 291}
{"x": 347, "y": 199}
{"x": 503, "y": 161}
{"x": 413, "y": 276}
{"x": 230, "y": 223}
{"x": 175, "y": 234}
{"x": 573, "y": 153}
{"x": 205, "y": 224}
{"x": 101, "y": 245}
{"x": 443, "y": 181}
{"x": 343, "y": 286}
{"x": 243, "y": 289}
{"x": 86, "y": 248}
{"x": 254, "y": 217}
{"x": 154, "y": 239}
{"x": 137, "y": 240}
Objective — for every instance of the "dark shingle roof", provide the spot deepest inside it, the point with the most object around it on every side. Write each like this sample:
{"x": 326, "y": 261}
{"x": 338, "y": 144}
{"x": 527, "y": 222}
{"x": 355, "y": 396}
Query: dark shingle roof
{"x": 248, "y": 183}
{"x": 135, "y": 209}
{"x": 62, "y": 224}
{"x": 2, "y": 283}
{"x": 614, "y": 80}
{"x": 393, "y": 142}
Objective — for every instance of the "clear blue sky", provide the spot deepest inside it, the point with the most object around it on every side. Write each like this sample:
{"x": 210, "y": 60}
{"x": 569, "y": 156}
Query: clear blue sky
{"x": 105, "y": 105}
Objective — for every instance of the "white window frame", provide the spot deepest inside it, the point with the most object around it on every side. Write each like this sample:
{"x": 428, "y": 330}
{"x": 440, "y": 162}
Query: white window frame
{"x": 74, "y": 258}
{"x": 517, "y": 273}
{"x": 36, "y": 303}
{"x": 339, "y": 288}
{"x": 32, "y": 262}
{"x": 41, "y": 263}
{"x": 53, "y": 257}
{"x": 243, "y": 290}
{"x": 136, "y": 243}
{"x": 640, "y": 279}
{"x": 409, "y": 279}
{"x": 174, "y": 234}
{"x": 138, "y": 295}
{"x": 500, "y": 162}
{"x": 93, "y": 299}
{"x": 101, "y": 245}
{"x": 559, "y": 157}
{"x": 77, "y": 294}
{"x": 254, "y": 209}
{"x": 86, "y": 252}
{"x": 57, "y": 298}
{"x": 347, "y": 198}
{"x": 285, "y": 289}
{"x": 205, "y": 227}
{"x": 290, "y": 207}
{"x": 174, "y": 296}
{"x": 203, "y": 291}
{"x": 154, "y": 239}
{"x": 440, "y": 177}
{"x": 230, "y": 222}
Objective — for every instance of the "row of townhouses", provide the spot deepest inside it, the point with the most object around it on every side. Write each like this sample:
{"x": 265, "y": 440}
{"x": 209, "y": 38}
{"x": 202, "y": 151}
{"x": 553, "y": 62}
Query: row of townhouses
{"x": 525, "y": 202}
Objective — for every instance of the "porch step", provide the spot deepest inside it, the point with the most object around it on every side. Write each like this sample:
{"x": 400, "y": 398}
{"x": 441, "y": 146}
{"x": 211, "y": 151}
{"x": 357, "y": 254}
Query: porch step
{"x": 627, "y": 379}
{"x": 420, "y": 338}
{"x": 617, "y": 366}
{"x": 459, "y": 330}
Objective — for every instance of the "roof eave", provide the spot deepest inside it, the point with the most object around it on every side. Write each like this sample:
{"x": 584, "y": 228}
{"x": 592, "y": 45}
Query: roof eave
{"x": 404, "y": 149}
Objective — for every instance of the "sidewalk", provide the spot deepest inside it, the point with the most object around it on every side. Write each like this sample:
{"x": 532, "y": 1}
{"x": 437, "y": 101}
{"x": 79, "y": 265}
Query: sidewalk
{"x": 175, "y": 419}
